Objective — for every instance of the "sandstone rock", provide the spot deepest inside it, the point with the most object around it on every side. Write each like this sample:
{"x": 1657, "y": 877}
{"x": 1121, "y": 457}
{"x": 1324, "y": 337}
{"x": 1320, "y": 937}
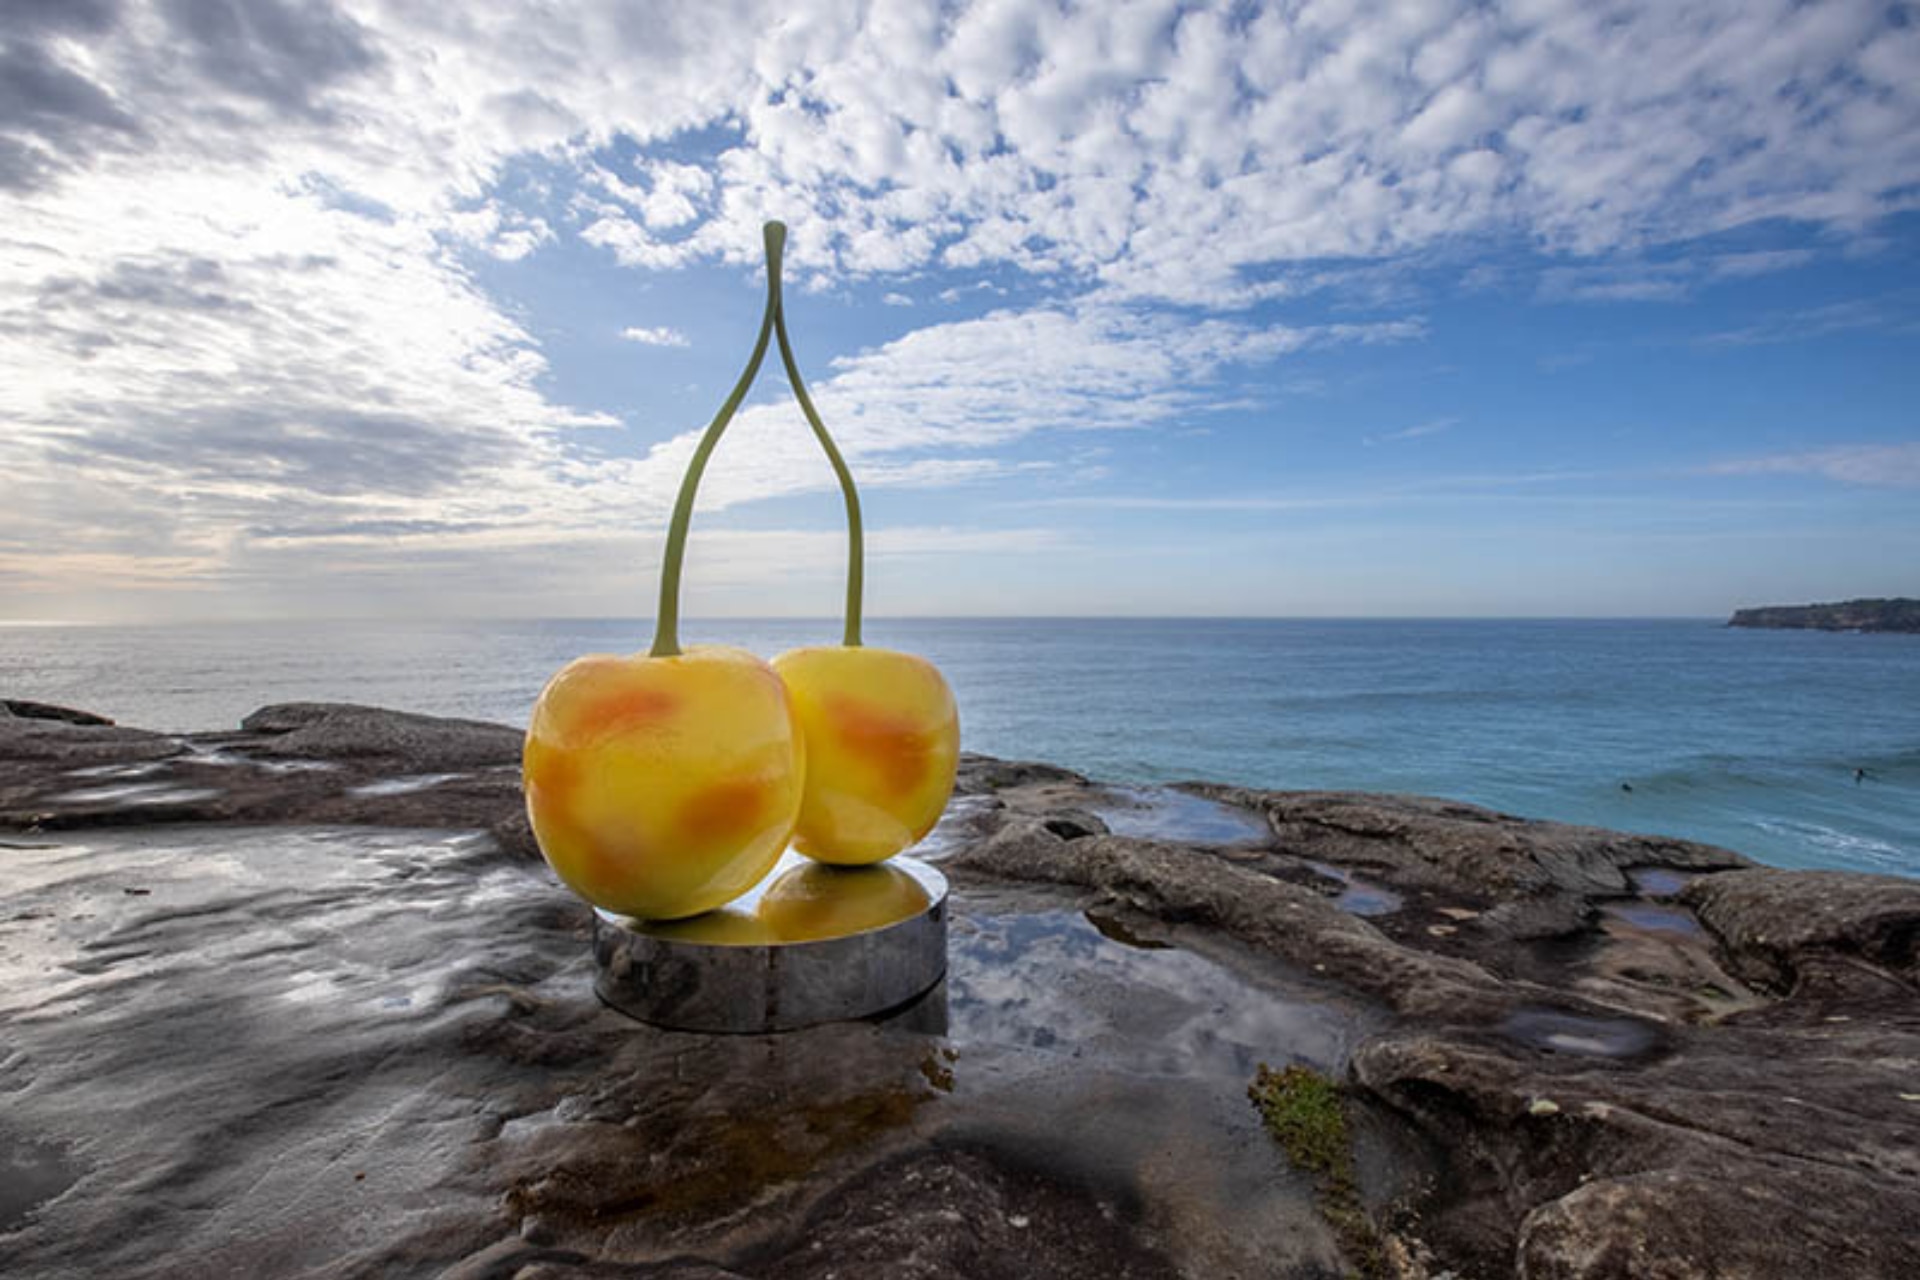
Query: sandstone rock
{"x": 1699, "y": 1107}
{"x": 26, "y": 710}
{"x": 1774, "y": 924}
{"x": 1741, "y": 1219}
{"x": 1546, "y": 915}
{"x": 42, "y": 740}
{"x": 341, "y": 731}
{"x": 513, "y": 832}
{"x": 376, "y": 1053}
{"x": 299, "y": 762}
{"x": 980, "y": 775}
{"x": 1421, "y": 842}
{"x": 1185, "y": 886}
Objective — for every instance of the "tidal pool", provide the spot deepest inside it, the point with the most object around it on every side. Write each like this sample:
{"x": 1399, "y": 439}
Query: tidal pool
{"x": 1166, "y": 813}
{"x": 1655, "y": 919}
{"x": 1558, "y": 1031}
{"x": 1049, "y": 981}
{"x": 1357, "y": 896}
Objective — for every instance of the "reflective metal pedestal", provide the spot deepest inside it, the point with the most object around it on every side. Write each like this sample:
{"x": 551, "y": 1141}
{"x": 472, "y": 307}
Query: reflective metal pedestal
{"x": 659, "y": 974}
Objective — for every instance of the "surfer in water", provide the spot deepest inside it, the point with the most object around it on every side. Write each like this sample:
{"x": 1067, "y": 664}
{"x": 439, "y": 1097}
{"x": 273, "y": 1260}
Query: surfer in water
{"x": 1860, "y": 776}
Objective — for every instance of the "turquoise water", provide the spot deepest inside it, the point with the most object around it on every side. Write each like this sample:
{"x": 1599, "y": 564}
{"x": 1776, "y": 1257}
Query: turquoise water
{"x": 1748, "y": 739}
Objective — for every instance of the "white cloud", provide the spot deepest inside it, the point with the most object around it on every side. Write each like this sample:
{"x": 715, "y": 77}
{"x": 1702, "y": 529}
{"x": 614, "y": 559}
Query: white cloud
{"x": 1632, "y": 279}
{"x": 1164, "y": 149}
{"x": 1625, "y": 282}
{"x": 499, "y": 232}
{"x": 1809, "y": 323}
{"x": 921, "y": 410}
{"x": 1739, "y": 266}
{"x": 1124, "y": 140}
{"x": 1890, "y": 466}
{"x": 657, "y": 336}
{"x": 1431, "y": 427}
{"x": 228, "y": 416}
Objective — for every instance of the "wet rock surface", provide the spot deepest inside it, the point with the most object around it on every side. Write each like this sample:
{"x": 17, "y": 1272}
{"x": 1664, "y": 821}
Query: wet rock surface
{"x": 373, "y": 1052}
{"x": 289, "y": 763}
{"x": 311, "y": 1048}
{"x": 1638, "y": 1056}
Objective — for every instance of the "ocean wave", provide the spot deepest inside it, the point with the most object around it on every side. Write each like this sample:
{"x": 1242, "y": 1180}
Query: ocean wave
{"x": 1832, "y": 847}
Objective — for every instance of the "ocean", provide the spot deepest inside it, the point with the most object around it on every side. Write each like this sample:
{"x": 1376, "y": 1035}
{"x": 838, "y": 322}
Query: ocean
{"x": 1799, "y": 749}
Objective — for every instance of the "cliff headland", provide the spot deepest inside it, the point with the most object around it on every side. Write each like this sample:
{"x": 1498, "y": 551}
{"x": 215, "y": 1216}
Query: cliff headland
{"x": 1898, "y": 614}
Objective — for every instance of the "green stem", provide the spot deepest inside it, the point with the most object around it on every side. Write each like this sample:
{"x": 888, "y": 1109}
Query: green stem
{"x": 666, "y": 628}
{"x": 666, "y": 633}
{"x": 856, "y": 539}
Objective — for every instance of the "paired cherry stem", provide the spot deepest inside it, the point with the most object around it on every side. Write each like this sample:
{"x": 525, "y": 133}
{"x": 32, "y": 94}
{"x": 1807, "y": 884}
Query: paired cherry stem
{"x": 666, "y": 634}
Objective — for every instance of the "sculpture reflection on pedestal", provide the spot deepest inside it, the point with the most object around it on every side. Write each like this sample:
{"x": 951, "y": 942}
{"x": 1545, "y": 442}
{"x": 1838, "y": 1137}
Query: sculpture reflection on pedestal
{"x": 846, "y": 943}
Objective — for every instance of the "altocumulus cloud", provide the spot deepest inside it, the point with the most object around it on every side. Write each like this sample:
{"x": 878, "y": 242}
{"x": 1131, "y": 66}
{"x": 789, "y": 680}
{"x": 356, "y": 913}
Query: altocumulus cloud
{"x": 238, "y": 303}
{"x": 656, "y": 336}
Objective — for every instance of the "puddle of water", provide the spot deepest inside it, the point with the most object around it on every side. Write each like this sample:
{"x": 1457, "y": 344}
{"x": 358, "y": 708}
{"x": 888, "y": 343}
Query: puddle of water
{"x": 402, "y": 786}
{"x": 1641, "y": 915}
{"x": 1124, "y": 1071}
{"x": 1658, "y": 882}
{"x": 1053, "y": 982}
{"x": 1359, "y": 897}
{"x": 1561, "y": 1032}
{"x": 136, "y": 793}
{"x": 1162, "y": 813}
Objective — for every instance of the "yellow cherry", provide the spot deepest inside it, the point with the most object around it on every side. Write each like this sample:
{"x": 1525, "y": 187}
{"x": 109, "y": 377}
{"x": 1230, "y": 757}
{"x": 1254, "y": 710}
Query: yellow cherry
{"x": 812, "y": 903}
{"x": 661, "y": 787}
{"x": 882, "y": 741}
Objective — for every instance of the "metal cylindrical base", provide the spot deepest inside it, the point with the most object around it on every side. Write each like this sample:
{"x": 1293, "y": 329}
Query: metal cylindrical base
{"x": 659, "y": 974}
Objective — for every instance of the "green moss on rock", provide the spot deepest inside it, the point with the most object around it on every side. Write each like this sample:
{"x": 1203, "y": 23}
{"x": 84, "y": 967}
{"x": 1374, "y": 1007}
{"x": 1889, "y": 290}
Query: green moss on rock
{"x": 1306, "y": 1113}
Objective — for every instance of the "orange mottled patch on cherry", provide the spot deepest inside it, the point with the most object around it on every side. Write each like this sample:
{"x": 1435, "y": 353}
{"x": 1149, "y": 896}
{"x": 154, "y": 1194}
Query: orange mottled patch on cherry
{"x": 894, "y": 745}
{"x": 551, "y": 774}
{"x": 588, "y": 859}
{"x": 601, "y": 863}
{"x": 624, "y": 712}
{"x": 727, "y": 811}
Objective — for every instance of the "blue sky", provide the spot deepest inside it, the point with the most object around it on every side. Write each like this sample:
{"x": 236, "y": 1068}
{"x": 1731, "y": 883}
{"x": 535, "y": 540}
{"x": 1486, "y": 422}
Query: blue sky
{"x": 1150, "y": 308}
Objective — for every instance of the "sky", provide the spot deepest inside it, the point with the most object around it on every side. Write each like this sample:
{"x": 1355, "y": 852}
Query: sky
{"x": 396, "y": 308}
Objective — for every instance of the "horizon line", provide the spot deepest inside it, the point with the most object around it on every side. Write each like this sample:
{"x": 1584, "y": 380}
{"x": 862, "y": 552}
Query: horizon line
{"x": 834, "y": 619}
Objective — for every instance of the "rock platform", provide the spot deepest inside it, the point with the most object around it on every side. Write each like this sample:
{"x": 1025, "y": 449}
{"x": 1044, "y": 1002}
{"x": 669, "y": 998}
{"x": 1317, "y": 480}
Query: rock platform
{"x": 301, "y": 1000}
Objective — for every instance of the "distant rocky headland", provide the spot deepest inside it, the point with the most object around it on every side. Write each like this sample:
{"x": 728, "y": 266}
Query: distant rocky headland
{"x": 1899, "y": 614}
{"x": 300, "y": 998}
